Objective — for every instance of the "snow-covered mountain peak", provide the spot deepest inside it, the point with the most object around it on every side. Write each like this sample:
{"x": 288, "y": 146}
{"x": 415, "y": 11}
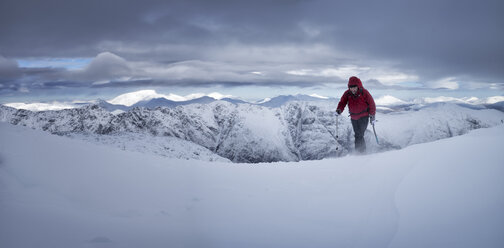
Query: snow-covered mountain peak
{"x": 319, "y": 96}
{"x": 494, "y": 99}
{"x": 219, "y": 96}
{"x": 442, "y": 99}
{"x": 389, "y": 100}
{"x": 267, "y": 99}
{"x": 131, "y": 98}
{"x": 38, "y": 106}
{"x": 464, "y": 100}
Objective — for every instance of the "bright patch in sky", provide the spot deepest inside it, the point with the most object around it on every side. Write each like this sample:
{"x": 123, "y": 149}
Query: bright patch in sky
{"x": 67, "y": 63}
{"x": 448, "y": 83}
{"x": 410, "y": 84}
{"x": 342, "y": 72}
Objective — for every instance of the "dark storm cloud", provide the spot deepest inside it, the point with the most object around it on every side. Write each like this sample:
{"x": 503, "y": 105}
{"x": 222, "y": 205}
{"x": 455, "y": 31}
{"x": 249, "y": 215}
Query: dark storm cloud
{"x": 79, "y": 27}
{"x": 432, "y": 39}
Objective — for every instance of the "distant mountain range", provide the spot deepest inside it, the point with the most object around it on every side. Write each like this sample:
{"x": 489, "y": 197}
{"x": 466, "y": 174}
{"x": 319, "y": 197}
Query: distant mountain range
{"x": 163, "y": 102}
{"x": 151, "y": 99}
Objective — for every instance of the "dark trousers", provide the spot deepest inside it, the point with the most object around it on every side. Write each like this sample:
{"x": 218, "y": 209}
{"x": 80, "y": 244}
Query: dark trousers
{"x": 359, "y": 127}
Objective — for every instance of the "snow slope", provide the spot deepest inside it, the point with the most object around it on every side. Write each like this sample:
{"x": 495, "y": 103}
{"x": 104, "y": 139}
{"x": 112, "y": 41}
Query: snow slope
{"x": 170, "y": 147}
{"x": 61, "y": 192}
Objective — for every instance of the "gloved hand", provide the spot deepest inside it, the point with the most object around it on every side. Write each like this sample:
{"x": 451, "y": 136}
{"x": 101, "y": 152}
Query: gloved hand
{"x": 372, "y": 119}
{"x": 338, "y": 112}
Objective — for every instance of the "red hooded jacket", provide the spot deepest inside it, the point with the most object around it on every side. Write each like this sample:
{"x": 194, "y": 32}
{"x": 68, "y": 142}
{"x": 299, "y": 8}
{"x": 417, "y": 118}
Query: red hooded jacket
{"x": 359, "y": 105}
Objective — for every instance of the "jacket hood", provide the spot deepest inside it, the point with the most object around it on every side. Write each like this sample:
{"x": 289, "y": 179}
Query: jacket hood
{"x": 355, "y": 81}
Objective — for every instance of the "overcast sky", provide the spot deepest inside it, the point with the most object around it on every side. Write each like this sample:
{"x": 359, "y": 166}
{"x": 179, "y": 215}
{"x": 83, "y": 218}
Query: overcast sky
{"x": 89, "y": 48}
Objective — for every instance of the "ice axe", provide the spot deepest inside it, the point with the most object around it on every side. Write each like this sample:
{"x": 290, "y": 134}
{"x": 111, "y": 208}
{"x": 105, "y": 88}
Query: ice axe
{"x": 374, "y": 131}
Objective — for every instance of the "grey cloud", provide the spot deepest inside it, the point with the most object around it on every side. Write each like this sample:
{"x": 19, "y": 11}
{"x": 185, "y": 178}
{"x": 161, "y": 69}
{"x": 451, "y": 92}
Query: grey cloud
{"x": 108, "y": 70}
{"x": 437, "y": 38}
{"x": 377, "y": 85}
{"x": 104, "y": 66}
{"x": 433, "y": 39}
{"x": 8, "y": 69}
{"x": 59, "y": 85}
{"x": 200, "y": 84}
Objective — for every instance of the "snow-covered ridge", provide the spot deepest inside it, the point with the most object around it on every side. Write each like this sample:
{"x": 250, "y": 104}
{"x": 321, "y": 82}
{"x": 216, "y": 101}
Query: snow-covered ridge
{"x": 242, "y": 132}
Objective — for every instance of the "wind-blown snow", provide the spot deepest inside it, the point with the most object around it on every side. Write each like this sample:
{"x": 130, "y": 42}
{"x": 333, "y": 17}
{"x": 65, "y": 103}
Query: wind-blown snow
{"x": 61, "y": 192}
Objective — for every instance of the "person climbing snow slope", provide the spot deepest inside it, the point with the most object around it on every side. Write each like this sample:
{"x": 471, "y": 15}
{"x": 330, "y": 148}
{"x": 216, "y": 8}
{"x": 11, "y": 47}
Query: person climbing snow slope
{"x": 362, "y": 110}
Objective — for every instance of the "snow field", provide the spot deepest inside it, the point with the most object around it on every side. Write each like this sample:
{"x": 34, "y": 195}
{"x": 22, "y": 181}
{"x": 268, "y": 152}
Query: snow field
{"x": 61, "y": 192}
